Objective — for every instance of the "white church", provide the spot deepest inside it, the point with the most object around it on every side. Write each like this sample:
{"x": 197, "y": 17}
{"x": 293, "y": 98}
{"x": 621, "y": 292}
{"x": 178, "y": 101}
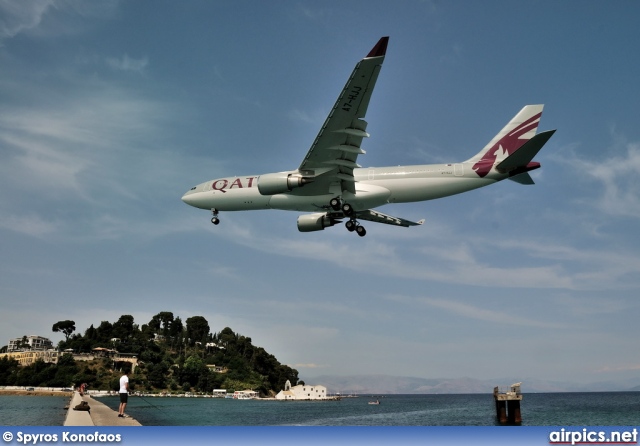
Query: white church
{"x": 302, "y": 392}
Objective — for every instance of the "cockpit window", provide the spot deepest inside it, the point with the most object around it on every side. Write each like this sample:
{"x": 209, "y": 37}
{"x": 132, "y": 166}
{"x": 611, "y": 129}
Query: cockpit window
{"x": 194, "y": 188}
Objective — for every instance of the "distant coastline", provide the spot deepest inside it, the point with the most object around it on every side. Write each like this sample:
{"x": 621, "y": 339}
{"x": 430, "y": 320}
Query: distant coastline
{"x": 405, "y": 385}
{"x": 36, "y": 392}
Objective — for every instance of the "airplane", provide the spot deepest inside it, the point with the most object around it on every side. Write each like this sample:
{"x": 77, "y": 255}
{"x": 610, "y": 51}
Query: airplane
{"x": 333, "y": 187}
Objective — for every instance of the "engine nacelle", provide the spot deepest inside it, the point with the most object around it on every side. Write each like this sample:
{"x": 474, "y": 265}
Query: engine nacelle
{"x": 281, "y": 182}
{"x": 315, "y": 222}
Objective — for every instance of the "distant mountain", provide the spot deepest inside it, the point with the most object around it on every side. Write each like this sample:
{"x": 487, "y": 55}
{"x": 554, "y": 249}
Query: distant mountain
{"x": 388, "y": 384}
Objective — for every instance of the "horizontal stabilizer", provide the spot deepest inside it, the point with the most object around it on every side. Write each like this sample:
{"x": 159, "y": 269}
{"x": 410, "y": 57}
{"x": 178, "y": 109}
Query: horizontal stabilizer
{"x": 379, "y": 217}
{"x": 524, "y": 155}
{"x": 523, "y": 178}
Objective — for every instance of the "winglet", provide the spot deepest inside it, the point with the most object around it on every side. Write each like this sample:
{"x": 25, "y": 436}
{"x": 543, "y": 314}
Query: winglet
{"x": 380, "y": 49}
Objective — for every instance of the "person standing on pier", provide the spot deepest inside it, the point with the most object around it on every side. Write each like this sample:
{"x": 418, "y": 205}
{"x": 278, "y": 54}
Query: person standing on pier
{"x": 124, "y": 393}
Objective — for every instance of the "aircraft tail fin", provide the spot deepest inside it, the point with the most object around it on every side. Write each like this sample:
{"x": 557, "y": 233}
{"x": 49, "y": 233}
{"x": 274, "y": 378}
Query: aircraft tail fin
{"x": 515, "y": 134}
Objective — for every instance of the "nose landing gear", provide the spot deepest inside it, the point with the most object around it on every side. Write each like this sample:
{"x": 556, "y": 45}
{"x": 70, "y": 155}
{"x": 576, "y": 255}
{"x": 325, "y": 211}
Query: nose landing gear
{"x": 215, "y": 220}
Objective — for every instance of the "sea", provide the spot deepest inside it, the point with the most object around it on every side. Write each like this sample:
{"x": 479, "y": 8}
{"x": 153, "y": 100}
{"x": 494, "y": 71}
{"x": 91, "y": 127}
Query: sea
{"x": 539, "y": 409}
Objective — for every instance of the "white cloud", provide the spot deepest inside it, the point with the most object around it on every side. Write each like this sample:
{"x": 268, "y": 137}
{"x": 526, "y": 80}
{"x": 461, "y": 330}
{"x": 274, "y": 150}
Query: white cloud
{"x": 32, "y": 225}
{"x": 427, "y": 259}
{"x": 126, "y": 63}
{"x": 473, "y": 312}
{"x": 311, "y": 14}
{"x": 83, "y": 156}
{"x": 302, "y": 116}
{"x": 619, "y": 178}
{"x": 18, "y": 16}
{"x": 62, "y": 136}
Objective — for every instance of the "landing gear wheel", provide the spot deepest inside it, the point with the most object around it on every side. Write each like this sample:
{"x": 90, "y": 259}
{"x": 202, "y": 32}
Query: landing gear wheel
{"x": 335, "y": 204}
{"x": 215, "y": 220}
{"x": 361, "y": 231}
{"x": 347, "y": 209}
{"x": 350, "y": 225}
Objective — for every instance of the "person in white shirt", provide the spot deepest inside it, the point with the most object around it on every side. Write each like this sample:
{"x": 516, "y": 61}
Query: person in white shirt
{"x": 124, "y": 394}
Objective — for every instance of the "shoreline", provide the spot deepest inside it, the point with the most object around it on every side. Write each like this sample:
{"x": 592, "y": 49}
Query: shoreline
{"x": 36, "y": 392}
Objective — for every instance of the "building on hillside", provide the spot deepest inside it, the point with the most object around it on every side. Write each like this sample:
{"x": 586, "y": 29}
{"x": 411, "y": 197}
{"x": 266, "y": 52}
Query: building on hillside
{"x": 124, "y": 361}
{"x": 245, "y": 395}
{"x": 216, "y": 368}
{"x": 29, "y": 343}
{"x": 219, "y": 393}
{"x": 103, "y": 352}
{"x": 30, "y": 356}
{"x": 302, "y": 392}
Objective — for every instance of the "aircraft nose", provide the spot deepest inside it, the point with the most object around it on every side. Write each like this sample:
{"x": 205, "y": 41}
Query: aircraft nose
{"x": 188, "y": 198}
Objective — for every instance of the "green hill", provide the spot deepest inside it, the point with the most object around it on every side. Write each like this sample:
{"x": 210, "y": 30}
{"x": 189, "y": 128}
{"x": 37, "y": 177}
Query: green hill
{"x": 172, "y": 357}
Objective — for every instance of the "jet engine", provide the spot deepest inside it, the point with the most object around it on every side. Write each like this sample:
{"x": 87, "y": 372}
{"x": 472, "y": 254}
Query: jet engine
{"x": 315, "y": 222}
{"x": 281, "y": 182}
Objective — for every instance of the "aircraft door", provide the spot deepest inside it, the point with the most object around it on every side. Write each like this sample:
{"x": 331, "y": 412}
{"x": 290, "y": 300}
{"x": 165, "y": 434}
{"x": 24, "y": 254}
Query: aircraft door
{"x": 458, "y": 170}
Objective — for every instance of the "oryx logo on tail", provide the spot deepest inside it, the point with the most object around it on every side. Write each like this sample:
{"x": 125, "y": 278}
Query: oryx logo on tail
{"x": 513, "y": 136}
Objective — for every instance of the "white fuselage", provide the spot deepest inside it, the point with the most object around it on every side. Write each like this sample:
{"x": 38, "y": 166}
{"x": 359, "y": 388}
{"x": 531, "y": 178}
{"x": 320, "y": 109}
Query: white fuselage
{"x": 375, "y": 186}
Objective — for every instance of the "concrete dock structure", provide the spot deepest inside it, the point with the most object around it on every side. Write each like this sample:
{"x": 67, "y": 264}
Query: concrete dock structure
{"x": 99, "y": 415}
{"x": 508, "y": 405}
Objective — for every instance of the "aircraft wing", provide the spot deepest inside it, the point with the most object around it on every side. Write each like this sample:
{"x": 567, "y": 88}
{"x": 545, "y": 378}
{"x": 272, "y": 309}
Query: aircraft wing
{"x": 379, "y": 217}
{"x": 332, "y": 156}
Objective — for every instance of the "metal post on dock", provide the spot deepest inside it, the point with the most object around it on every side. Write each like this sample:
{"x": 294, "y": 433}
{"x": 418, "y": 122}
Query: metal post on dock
{"x": 508, "y": 405}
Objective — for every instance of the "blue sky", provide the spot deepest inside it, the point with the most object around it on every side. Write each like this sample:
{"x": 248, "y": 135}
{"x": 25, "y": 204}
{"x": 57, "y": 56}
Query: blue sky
{"x": 111, "y": 110}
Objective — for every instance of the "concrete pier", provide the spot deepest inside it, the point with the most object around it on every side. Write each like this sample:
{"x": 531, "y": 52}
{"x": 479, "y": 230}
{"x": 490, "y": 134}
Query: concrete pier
{"x": 99, "y": 415}
{"x": 508, "y": 405}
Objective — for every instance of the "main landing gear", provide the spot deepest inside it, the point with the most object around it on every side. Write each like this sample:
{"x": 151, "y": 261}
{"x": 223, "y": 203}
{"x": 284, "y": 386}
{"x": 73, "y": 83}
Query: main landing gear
{"x": 215, "y": 220}
{"x": 352, "y": 225}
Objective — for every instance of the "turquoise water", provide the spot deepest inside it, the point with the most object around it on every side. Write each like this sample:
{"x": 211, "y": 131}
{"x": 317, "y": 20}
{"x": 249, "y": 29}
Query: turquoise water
{"x": 30, "y": 410}
{"x": 571, "y": 409}
{"x": 567, "y": 409}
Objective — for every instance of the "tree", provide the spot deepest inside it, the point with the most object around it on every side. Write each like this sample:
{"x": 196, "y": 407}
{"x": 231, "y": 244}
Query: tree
{"x": 227, "y": 337}
{"x": 104, "y": 331}
{"x": 163, "y": 319}
{"x": 197, "y": 329}
{"x": 66, "y": 327}
{"x": 9, "y": 368}
{"x": 24, "y": 343}
{"x": 192, "y": 369}
{"x": 156, "y": 374}
{"x": 124, "y": 327}
{"x": 65, "y": 370}
{"x": 91, "y": 333}
{"x": 176, "y": 328}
